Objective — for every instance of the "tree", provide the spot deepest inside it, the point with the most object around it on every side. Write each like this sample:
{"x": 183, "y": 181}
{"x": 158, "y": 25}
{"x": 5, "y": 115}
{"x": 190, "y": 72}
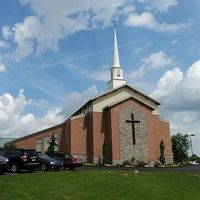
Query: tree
{"x": 162, "y": 152}
{"x": 52, "y": 145}
{"x": 180, "y": 145}
{"x": 105, "y": 151}
{"x": 9, "y": 146}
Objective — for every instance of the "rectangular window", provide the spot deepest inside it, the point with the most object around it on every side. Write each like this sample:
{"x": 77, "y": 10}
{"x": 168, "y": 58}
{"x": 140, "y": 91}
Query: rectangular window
{"x": 39, "y": 145}
{"x": 46, "y": 143}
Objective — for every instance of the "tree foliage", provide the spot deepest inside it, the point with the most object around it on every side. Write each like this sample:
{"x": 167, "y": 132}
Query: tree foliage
{"x": 180, "y": 146}
{"x": 52, "y": 145}
{"x": 105, "y": 151}
{"x": 9, "y": 146}
{"x": 162, "y": 152}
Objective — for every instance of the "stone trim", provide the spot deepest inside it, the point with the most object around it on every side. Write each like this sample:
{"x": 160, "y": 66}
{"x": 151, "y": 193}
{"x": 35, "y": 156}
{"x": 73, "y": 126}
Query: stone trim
{"x": 127, "y": 150}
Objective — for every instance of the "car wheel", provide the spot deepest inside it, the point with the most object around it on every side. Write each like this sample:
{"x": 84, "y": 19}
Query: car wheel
{"x": 44, "y": 167}
{"x": 14, "y": 168}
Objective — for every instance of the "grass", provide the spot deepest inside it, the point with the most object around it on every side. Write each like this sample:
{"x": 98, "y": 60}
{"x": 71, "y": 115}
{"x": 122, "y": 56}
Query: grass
{"x": 100, "y": 185}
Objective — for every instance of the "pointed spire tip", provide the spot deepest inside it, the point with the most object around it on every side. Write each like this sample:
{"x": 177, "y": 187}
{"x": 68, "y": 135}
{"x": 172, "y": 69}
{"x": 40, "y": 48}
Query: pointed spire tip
{"x": 114, "y": 23}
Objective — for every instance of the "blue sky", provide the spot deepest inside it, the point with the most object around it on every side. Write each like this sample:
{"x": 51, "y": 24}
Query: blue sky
{"x": 55, "y": 55}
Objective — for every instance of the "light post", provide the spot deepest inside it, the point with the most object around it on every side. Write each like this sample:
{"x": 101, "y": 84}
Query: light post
{"x": 191, "y": 142}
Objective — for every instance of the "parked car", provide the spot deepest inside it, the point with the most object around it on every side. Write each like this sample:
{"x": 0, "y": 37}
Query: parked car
{"x": 68, "y": 160}
{"x": 46, "y": 163}
{"x": 3, "y": 164}
{"x": 22, "y": 159}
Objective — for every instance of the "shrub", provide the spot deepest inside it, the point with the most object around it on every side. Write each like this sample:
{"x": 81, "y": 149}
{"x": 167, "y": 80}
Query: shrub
{"x": 162, "y": 150}
{"x": 126, "y": 162}
{"x": 105, "y": 151}
{"x": 141, "y": 163}
{"x": 132, "y": 160}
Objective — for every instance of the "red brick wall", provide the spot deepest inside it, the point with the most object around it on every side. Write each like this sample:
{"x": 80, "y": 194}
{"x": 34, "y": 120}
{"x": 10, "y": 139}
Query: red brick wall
{"x": 85, "y": 135}
{"x": 78, "y": 136}
{"x": 156, "y": 129}
{"x": 30, "y": 140}
{"x": 98, "y": 133}
{"x": 67, "y": 128}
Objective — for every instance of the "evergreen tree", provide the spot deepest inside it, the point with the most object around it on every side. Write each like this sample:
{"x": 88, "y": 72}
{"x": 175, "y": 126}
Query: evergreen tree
{"x": 52, "y": 145}
{"x": 162, "y": 152}
{"x": 105, "y": 150}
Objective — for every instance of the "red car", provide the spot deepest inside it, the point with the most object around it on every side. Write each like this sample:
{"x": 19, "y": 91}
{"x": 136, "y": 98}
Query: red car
{"x": 68, "y": 160}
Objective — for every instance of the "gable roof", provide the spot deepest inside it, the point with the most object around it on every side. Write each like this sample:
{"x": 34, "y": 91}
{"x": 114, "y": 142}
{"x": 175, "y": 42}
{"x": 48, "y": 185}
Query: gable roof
{"x": 111, "y": 91}
{"x": 125, "y": 85}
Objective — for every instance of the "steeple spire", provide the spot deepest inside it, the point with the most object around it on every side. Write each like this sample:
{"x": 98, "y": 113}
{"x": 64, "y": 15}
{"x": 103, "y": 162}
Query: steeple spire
{"x": 116, "y": 70}
{"x": 116, "y": 62}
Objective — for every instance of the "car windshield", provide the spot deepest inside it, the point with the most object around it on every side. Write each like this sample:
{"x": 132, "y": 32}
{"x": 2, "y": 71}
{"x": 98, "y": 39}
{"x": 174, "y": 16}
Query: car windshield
{"x": 68, "y": 156}
{"x": 31, "y": 153}
{"x": 45, "y": 156}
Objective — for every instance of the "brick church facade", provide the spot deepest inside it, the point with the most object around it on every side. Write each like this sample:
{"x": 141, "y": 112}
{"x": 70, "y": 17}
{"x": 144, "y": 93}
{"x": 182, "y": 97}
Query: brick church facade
{"x": 123, "y": 116}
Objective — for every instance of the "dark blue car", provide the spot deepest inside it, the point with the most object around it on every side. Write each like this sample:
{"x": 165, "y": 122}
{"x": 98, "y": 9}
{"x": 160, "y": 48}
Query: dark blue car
{"x": 47, "y": 163}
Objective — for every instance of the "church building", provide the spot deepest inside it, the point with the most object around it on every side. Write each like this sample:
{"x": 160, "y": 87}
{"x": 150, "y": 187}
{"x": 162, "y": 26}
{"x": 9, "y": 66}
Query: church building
{"x": 125, "y": 117}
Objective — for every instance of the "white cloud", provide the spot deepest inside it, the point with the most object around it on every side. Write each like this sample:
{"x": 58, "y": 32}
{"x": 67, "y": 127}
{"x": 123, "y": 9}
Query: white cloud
{"x": 194, "y": 71}
{"x": 163, "y": 5}
{"x": 157, "y": 60}
{"x": 2, "y": 67}
{"x": 160, "y": 5}
{"x": 14, "y": 122}
{"x": 97, "y": 75}
{"x": 74, "y": 100}
{"x": 55, "y": 20}
{"x": 147, "y": 20}
{"x": 167, "y": 83}
{"x": 23, "y": 35}
{"x": 173, "y": 42}
{"x": 6, "y": 32}
{"x": 102, "y": 74}
{"x": 4, "y": 45}
{"x": 179, "y": 94}
{"x": 153, "y": 61}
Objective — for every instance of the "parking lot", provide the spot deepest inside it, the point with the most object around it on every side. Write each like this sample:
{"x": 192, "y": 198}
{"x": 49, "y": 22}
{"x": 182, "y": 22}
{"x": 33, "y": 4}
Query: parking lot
{"x": 189, "y": 168}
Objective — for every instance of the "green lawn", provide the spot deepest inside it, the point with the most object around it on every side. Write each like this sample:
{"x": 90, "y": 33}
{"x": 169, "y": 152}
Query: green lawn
{"x": 108, "y": 184}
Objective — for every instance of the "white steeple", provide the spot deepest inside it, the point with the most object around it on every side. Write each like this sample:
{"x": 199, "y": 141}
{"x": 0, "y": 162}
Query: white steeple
{"x": 116, "y": 70}
{"x": 116, "y": 52}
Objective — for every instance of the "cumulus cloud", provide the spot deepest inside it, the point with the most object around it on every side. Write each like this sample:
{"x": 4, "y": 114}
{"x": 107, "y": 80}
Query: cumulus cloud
{"x": 179, "y": 94}
{"x": 2, "y": 67}
{"x": 6, "y": 32}
{"x": 167, "y": 83}
{"x": 194, "y": 71}
{"x": 55, "y": 20}
{"x": 153, "y": 61}
{"x": 15, "y": 122}
{"x": 74, "y": 100}
{"x": 147, "y": 20}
